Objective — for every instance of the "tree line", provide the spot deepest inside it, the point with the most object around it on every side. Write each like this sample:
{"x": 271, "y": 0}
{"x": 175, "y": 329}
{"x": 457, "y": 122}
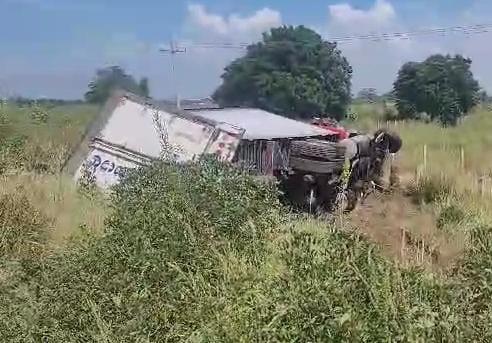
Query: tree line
{"x": 292, "y": 71}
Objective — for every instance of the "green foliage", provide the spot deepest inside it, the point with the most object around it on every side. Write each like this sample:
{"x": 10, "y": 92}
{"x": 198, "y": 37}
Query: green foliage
{"x": 157, "y": 274}
{"x": 32, "y": 145}
{"x": 22, "y": 227}
{"x": 429, "y": 189}
{"x": 11, "y": 147}
{"x": 86, "y": 185}
{"x": 3, "y": 112}
{"x": 111, "y": 78}
{"x": 195, "y": 253}
{"x": 292, "y": 72}
{"x": 441, "y": 86}
{"x": 368, "y": 95}
{"x": 450, "y": 214}
{"x": 389, "y": 112}
{"x": 336, "y": 288}
{"x": 38, "y": 113}
{"x": 475, "y": 291}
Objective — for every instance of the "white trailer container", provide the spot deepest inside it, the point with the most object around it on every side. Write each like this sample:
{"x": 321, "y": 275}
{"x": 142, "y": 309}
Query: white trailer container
{"x": 132, "y": 131}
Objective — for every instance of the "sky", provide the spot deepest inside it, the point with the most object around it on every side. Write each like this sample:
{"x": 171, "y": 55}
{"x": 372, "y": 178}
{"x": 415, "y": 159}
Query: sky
{"x": 52, "y": 48}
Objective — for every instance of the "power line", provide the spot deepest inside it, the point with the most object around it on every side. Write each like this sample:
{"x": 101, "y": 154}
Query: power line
{"x": 173, "y": 50}
{"x": 470, "y": 29}
{"x": 375, "y": 37}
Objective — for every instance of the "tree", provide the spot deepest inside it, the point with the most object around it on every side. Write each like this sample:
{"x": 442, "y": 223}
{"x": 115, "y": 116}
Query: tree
{"x": 368, "y": 95}
{"x": 292, "y": 72}
{"x": 143, "y": 85}
{"x": 483, "y": 96}
{"x": 111, "y": 78}
{"x": 441, "y": 86}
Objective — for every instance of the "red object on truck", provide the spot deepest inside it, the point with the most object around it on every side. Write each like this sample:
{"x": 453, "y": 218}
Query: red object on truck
{"x": 332, "y": 125}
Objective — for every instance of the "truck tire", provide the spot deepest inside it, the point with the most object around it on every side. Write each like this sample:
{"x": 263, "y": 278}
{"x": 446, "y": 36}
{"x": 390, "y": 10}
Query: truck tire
{"x": 314, "y": 166}
{"x": 317, "y": 149}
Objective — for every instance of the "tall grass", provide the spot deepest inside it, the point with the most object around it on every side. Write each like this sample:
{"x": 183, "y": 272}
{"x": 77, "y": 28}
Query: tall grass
{"x": 456, "y": 155}
{"x": 57, "y": 198}
{"x": 42, "y": 146}
{"x": 204, "y": 253}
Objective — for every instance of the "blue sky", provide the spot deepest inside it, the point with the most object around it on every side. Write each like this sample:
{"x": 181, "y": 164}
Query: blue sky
{"x": 52, "y": 47}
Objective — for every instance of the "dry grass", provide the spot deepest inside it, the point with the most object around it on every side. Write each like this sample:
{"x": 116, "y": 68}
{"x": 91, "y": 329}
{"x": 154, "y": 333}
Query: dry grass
{"x": 441, "y": 167}
{"x": 408, "y": 233}
{"x": 57, "y": 198}
{"x": 31, "y": 168}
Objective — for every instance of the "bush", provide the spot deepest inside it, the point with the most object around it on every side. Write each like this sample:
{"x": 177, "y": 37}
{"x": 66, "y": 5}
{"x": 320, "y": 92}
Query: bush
{"x": 22, "y": 227}
{"x": 158, "y": 273}
{"x": 430, "y": 189}
{"x": 39, "y": 114}
{"x": 450, "y": 214}
{"x": 475, "y": 279}
{"x": 210, "y": 200}
{"x": 194, "y": 253}
{"x": 344, "y": 288}
{"x": 390, "y": 113}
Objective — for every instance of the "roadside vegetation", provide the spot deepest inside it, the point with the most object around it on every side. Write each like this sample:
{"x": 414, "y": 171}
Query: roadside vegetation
{"x": 206, "y": 253}
{"x": 219, "y": 259}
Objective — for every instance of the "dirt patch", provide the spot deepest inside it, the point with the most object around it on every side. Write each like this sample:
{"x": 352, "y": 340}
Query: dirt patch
{"x": 406, "y": 231}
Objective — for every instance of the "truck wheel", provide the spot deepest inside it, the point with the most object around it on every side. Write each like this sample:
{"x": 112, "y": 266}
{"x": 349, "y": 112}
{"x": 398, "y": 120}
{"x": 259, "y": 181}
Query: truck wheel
{"x": 313, "y": 166}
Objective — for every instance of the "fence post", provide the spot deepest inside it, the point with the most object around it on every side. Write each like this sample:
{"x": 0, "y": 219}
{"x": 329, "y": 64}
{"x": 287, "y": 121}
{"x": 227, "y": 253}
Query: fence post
{"x": 462, "y": 158}
{"x": 482, "y": 181}
{"x": 425, "y": 156}
{"x": 403, "y": 242}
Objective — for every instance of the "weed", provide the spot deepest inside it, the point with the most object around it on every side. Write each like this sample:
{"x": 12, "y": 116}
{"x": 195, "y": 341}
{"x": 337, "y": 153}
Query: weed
{"x": 450, "y": 214}
{"x": 39, "y": 114}
{"x": 430, "y": 189}
{"x": 22, "y": 227}
{"x": 86, "y": 185}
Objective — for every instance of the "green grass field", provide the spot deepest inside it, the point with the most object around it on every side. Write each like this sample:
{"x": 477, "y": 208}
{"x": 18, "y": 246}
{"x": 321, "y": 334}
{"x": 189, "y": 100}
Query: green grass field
{"x": 214, "y": 261}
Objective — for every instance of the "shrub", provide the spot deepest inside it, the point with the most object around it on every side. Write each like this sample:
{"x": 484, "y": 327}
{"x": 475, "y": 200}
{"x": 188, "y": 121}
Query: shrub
{"x": 430, "y": 189}
{"x": 22, "y": 227}
{"x": 39, "y": 114}
{"x": 475, "y": 279}
{"x": 44, "y": 158}
{"x": 214, "y": 201}
{"x": 450, "y": 214}
{"x": 337, "y": 288}
{"x": 158, "y": 272}
{"x": 390, "y": 113}
{"x": 193, "y": 253}
{"x": 86, "y": 185}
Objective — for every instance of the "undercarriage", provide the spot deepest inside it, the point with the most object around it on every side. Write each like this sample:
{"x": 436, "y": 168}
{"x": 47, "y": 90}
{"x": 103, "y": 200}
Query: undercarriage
{"x": 336, "y": 176}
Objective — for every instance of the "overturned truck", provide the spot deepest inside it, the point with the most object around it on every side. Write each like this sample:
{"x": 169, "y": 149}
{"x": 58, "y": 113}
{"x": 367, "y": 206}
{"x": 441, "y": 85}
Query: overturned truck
{"x": 316, "y": 168}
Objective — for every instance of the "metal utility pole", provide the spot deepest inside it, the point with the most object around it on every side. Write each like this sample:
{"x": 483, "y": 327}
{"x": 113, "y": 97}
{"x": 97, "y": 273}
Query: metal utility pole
{"x": 173, "y": 50}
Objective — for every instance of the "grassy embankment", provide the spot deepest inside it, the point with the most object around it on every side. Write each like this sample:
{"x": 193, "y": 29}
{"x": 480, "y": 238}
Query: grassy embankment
{"x": 32, "y": 152}
{"x": 208, "y": 262}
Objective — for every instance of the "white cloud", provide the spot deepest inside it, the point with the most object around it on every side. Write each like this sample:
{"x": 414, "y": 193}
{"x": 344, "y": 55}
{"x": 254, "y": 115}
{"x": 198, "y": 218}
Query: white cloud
{"x": 197, "y": 78}
{"x": 234, "y": 24}
{"x": 379, "y": 15}
{"x": 376, "y": 62}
